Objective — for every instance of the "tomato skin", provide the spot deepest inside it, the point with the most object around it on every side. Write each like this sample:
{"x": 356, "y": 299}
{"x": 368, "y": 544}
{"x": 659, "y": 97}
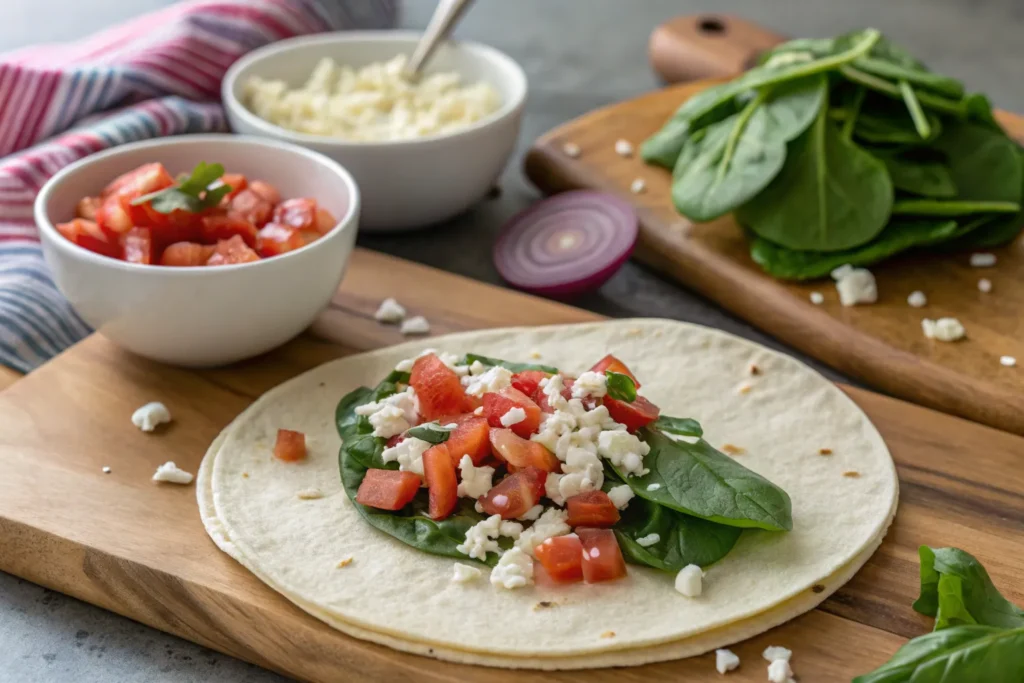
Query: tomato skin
{"x": 635, "y": 415}
{"x": 231, "y": 251}
{"x": 142, "y": 180}
{"x": 87, "y": 234}
{"x": 497, "y": 404}
{"x": 249, "y": 206}
{"x": 602, "y": 557}
{"x": 387, "y": 489}
{"x": 237, "y": 183}
{"x": 112, "y": 216}
{"x": 519, "y": 452}
{"x": 325, "y": 221}
{"x": 591, "y": 508}
{"x": 88, "y": 207}
{"x": 562, "y": 558}
{"x": 137, "y": 246}
{"x": 514, "y": 495}
{"x": 296, "y": 213}
{"x": 290, "y": 446}
{"x": 439, "y": 473}
{"x": 541, "y": 399}
{"x": 215, "y": 228}
{"x": 612, "y": 364}
{"x": 274, "y": 239}
{"x": 437, "y": 386}
{"x": 266, "y": 191}
{"x": 186, "y": 254}
{"x": 528, "y": 381}
{"x": 471, "y": 437}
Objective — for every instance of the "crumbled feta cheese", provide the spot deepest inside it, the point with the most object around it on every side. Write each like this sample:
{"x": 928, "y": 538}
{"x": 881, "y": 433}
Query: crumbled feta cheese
{"x": 779, "y": 671}
{"x": 310, "y": 494}
{"x": 917, "y": 299}
{"x": 624, "y": 148}
{"x": 493, "y": 380}
{"x": 575, "y": 483}
{"x": 855, "y": 285}
{"x": 552, "y": 490}
{"x": 513, "y": 417}
{"x": 623, "y": 449}
{"x": 478, "y": 507}
{"x": 548, "y": 525}
{"x": 982, "y": 260}
{"x": 106, "y": 470}
{"x": 390, "y": 311}
{"x": 582, "y": 461}
{"x": 689, "y": 581}
{"x": 621, "y": 495}
{"x": 984, "y": 285}
{"x": 173, "y": 474}
{"x": 476, "y": 481}
{"x": 409, "y": 454}
{"x": 773, "y": 652}
{"x": 943, "y": 329}
{"x": 477, "y": 368}
{"x": 532, "y": 514}
{"x": 511, "y": 529}
{"x": 514, "y": 570}
{"x": 481, "y": 538}
{"x": 571, "y": 149}
{"x": 552, "y": 388}
{"x": 150, "y": 415}
{"x": 1007, "y": 361}
{"x": 654, "y": 487}
{"x": 405, "y": 365}
{"x": 590, "y": 384}
{"x": 726, "y": 660}
{"x": 415, "y": 325}
{"x": 817, "y": 298}
{"x": 648, "y": 540}
{"x": 638, "y": 186}
{"x": 393, "y": 414}
{"x": 465, "y": 573}
{"x": 479, "y": 411}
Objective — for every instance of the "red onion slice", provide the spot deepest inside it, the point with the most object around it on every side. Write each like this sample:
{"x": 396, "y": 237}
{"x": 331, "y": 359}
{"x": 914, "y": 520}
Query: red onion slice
{"x": 566, "y": 244}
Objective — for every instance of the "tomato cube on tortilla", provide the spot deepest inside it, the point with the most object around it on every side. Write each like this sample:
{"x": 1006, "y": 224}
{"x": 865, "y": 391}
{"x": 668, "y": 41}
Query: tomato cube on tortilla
{"x": 274, "y": 239}
{"x": 137, "y": 246}
{"x": 602, "y": 558}
{"x": 186, "y": 254}
{"x": 528, "y": 381}
{"x": 214, "y": 228}
{"x": 635, "y": 415}
{"x": 437, "y": 387}
{"x": 387, "y": 489}
{"x": 439, "y": 473}
{"x": 87, "y": 234}
{"x": 290, "y": 446}
{"x": 591, "y": 508}
{"x": 519, "y": 452}
{"x": 496, "y": 405}
{"x": 296, "y": 213}
{"x": 471, "y": 437}
{"x": 562, "y": 558}
{"x": 249, "y": 206}
{"x": 232, "y": 251}
{"x": 515, "y": 494}
{"x": 612, "y": 364}
{"x": 541, "y": 399}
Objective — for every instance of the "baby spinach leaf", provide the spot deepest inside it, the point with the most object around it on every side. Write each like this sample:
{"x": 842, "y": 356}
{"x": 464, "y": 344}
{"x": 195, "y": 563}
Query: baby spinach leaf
{"x": 431, "y": 432}
{"x": 951, "y": 107}
{"x": 918, "y": 176}
{"x": 995, "y": 231}
{"x": 620, "y": 387}
{"x": 683, "y": 426}
{"x": 514, "y": 367}
{"x": 881, "y": 126}
{"x": 985, "y": 164}
{"x": 918, "y": 77}
{"x": 956, "y": 590}
{"x": 917, "y": 114}
{"x": 697, "y": 480}
{"x": 950, "y": 207}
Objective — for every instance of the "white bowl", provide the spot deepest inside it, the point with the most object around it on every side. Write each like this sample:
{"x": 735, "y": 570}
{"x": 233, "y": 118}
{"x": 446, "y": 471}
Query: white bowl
{"x": 407, "y": 183}
{"x": 202, "y": 316}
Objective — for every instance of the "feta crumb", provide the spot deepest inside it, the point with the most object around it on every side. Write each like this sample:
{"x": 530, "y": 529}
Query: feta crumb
{"x": 773, "y": 652}
{"x": 513, "y": 417}
{"x": 648, "y": 540}
{"x": 149, "y": 416}
{"x": 552, "y": 490}
{"x": 689, "y": 581}
{"x": 465, "y": 573}
{"x": 621, "y": 495}
{"x": 855, "y": 285}
{"x": 779, "y": 671}
{"x": 415, "y": 325}
{"x": 638, "y": 186}
{"x": 405, "y": 365}
{"x": 514, "y": 570}
{"x": 817, "y": 298}
{"x": 917, "y": 299}
{"x": 476, "y": 481}
{"x": 171, "y": 473}
{"x": 982, "y": 260}
{"x": 590, "y": 384}
{"x": 984, "y": 285}
{"x": 1007, "y": 361}
{"x": 623, "y": 449}
{"x": 532, "y": 514}
{"x": 390, "y": 311}
{"x": 479, "y": 411}
{"x": 106, "y": 470}
{"x": 492, "y": 380}
{"x": 624, "y": 148}
{"x": 510, "y": 529}
{"x": 548, "y": 525}
{"x": 654, "y": 487}
{"x": 408, "y": 453}
{"x": 943, "y": 329}
{"x": 393, "y": 414}
{"x": 726, "y": 660}
{"x": 481, "y": 538}
{"x": 571, "y": 150}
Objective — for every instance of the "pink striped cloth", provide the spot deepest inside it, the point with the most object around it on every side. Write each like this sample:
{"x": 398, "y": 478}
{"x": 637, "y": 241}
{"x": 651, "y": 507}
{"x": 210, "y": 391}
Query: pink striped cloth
{"x": 155, "y": 75}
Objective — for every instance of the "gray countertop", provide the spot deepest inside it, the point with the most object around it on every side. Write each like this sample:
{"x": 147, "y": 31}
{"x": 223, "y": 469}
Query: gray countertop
{"x": 578, "y": 54}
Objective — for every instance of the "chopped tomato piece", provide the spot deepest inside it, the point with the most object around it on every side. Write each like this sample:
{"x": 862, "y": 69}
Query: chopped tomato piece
{"x": 325, "y": 221}
{"x": 591, "y": 508}
{"x": 515, "y": 494}
{"x": 297, "y": 213}
{"x": 112, "y": 215}
{"x": 137, "y": 246}
{"x": 528, "y": 381}
{"x": 234, "y": 250}
{"x": 612, "y": 364}
{"x": 562, "y": 558}
{"x": 290, "y": 446}
{"x": 602, "y": 557}
{"x": 216, "y": 228}
{"x": 142, "y": 180}
{"x": 634, "y": 415}
{"x": 265, "y": 190}
{"x": 439, "y": 473}
{"x": 437, "y": 387}
{"x": 87, "y": 234}
{"x": 274, "y": 239}
{"x": 237, "y": 183}
{"x": 471, "y": 403}
{"x": 88, "y": 207}
{"x": 496, "y": 405}
{"x": 394, "y": 441}
{"x": 387, "y": 489}
{"x": 471, "y": 437}
{"x": 309, "y": 236}
{"x": 249, "y": 206}
{"x": 186, "y": 254}
{"x": 541, "y": 399}
{"x": 519, "y": 452}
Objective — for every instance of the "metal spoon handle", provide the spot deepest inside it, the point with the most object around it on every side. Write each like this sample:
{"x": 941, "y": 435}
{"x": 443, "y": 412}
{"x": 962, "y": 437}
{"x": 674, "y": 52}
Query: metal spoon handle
{"x": 445, "y": 17}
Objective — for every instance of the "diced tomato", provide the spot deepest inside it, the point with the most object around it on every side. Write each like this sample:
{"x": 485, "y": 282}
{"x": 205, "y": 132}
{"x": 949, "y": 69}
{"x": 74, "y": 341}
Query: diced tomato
{"x": 87, "y": 234}
{"x": 439, "y": 473}
{"x": 437, "y": 387}
{"x": 591, "y": 508}
{"x": 541, "y": 399}
{"x": 112, "y": 215}
{"x": 234, "y": 250}
{"x": 142, "y": 180}
{"x": 249, "y": 206}
{"x": 519, "y": 452}
{"x": 290, "y": 446}
{"x": 88, "y": 207}
{"x": 309, "y": 236}
{"x": 274, "y": 239}
{"x": 634, "y": 415}
{"x": 613, "y": 364}
{"x": 528, "y": 381}
{"x": 562, "y": 558}
{"x": 541, "y": 576}
{"x": 325, "y": 221}
{"x": 471, "y": 403}
{"x": 237, "y": 183}
{"x": 137, "y": 246}
{"x": 216, "y": 228}
{"x": 297, "y": 213}
{"x": 602, "y": 557}
{"x": 186, "y": 254}
{"x": 497, "y": 404}
{"x": 387, "y": 489}
{"x": 471, "y": 437}
{"x": 265, "y": 190}
{"x": 515, "y": 494}
{"x": 394, "y": 441}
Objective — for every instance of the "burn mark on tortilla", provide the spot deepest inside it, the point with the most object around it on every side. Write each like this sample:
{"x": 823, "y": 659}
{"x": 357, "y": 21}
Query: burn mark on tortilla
{"x": 245, "y": 475}
{"x": 345, "y": 562}
{"x": 824, "y": 451}
{"x": 753, "y": 369}
{"x": 608, "y": 634}
{"x": 745, "y": 389}
{"x": 852, "y": 474}
{"x": 818, "y": 588}
{"x": 543, "y": 604}
{"x": 732, "y": 449}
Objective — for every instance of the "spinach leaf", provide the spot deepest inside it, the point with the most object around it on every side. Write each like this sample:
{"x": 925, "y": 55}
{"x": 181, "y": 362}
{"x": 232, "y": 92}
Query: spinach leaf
{"x": 431, "y": 432}
{"x": 917, "y": 77}
{"x": 950, "y": 207}
{"x": 917, "y": 114}
{"x": 697, "y": 480}
{"x": 882, "y": 126}
{"x": 995, "y": 232}
{"x": 951, "y": 107}
{"x": 514, "y": 367}
{"x": 620, "y": 387}
{"x": 683, "y": 426}
{"x": 956, "y": 590}
{"x": 918, "y": 176}
{"x": 831, "y": 195}
{"x": 985, "y": 164}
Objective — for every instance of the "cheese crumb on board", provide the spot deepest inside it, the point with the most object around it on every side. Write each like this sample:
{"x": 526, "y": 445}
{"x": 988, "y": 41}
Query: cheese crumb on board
{"x": 773, "y": 652}
{"x": 624, "y": 148}
{"x": 779, "y": 671}
{"x": 984, "y": 285}
{"x": 726, "y": 660}
{"x": 390, "y": 311}
{"x": 571, "y": 150}
{"x": 415, "y": 325}
{"x": 638, "y": 186}
{"x": 917, "y": 299}
{"x": 983, "y": 260}
{"x": 817, "y": 298}
{"x": 151, "y": 415}
{"x": 106, "y": 470}
{"x": 1007, "y": 361}
{"x": 855, "y": 285}
{"x": 172, "y": 474}
{"x": 943, "y": 329}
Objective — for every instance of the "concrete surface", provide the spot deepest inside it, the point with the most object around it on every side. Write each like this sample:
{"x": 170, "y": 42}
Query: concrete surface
{"x": 579, "y": 54}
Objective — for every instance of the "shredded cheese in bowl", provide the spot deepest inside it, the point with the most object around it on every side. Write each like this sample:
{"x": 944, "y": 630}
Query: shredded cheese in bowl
{"x": 374, "y": 103}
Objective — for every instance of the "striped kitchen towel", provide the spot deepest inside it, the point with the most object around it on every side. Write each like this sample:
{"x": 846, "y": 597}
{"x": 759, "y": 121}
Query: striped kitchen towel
{"x": 156, "y": 75}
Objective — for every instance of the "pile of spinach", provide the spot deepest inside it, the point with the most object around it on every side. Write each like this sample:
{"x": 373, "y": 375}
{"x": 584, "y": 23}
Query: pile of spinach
{"x": 843, "y": 150}
{"x": 978, "y": 635}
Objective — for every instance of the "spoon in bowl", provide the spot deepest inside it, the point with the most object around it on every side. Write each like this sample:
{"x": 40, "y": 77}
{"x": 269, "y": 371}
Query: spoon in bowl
{"x": 445, "y": 17}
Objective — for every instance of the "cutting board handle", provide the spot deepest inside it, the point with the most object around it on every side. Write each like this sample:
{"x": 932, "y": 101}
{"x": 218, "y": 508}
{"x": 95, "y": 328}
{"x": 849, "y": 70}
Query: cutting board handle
{"x": 707, "y": 46}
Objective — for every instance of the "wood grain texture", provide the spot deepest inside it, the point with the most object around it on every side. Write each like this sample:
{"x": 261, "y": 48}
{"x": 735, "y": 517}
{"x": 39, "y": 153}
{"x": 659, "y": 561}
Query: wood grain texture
{"x": 139, "y": 549}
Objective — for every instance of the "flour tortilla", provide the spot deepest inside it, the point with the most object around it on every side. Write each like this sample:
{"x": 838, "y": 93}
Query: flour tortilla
{"x": 401, "y": 597}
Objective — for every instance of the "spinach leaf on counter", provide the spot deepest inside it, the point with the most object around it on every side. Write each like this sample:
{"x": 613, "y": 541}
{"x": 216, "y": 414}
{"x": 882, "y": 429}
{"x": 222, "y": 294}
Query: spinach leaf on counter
{"x": 683, "y": 426}
{"x": 956, "y": 590}
{"x": 508, "y": 365}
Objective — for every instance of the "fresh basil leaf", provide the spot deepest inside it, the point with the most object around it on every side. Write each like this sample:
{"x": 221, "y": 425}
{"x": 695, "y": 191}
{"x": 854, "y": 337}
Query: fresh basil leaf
{"x": 683, "y": 426}
{"x": 508, "y": 365}
{"x": 202, "y": 176}
{"x": 431, "y": 432}
{"x": 697, "y": 480}
{"x": 956, "y": 589}
{"x": 191, "y": 193}
{"x": 620, "y": 387}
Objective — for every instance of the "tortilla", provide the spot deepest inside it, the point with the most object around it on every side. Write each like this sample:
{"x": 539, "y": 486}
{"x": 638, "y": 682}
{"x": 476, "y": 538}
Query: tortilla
{"x": 402, "y": 597}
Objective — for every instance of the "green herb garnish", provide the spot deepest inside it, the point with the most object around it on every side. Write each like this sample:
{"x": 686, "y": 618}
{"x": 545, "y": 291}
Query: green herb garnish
{"x": 620, "y": 387}
{"x": 193, "y": 193}
{"x": 431, "y": 432}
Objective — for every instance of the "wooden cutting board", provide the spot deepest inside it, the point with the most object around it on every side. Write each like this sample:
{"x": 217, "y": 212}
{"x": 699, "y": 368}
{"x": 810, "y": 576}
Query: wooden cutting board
{"x": 123, "y": 543}
{"x": 881, "y": 344}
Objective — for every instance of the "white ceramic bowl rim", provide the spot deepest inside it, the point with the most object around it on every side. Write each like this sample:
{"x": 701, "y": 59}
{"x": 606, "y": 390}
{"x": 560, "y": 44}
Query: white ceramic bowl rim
{"x": 278, "y": 49}
{"x": 45, "y": 224}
